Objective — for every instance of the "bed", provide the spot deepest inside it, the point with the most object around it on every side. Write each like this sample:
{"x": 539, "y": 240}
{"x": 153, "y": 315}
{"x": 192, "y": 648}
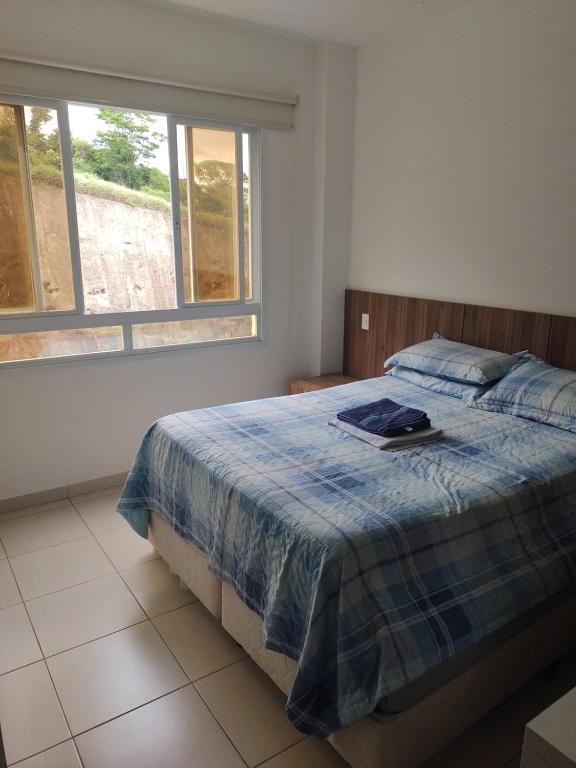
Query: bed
{"x": 382, "y": 591}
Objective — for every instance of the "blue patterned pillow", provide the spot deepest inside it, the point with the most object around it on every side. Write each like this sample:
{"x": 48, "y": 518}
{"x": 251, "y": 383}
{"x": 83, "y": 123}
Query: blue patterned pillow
{"x": 453, "y": 360}
{"x": 535, "y": 390}
{"x": 459, "y": 389}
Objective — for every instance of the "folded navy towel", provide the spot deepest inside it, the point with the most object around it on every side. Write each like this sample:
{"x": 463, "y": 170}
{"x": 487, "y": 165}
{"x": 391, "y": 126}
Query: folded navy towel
{"x": 385, "y": 418}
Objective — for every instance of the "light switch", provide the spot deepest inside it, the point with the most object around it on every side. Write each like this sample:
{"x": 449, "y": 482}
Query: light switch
{"x": 365, "y": 321}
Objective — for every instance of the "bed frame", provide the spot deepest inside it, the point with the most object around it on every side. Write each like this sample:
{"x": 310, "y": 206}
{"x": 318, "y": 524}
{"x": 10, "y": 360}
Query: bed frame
{"x": 410, "y": 738}
{"x": 399, "y": 321}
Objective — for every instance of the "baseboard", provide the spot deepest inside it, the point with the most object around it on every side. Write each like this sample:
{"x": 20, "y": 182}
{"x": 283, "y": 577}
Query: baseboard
{"x": 89, "y": 486}
{"x": 61, "y": 494}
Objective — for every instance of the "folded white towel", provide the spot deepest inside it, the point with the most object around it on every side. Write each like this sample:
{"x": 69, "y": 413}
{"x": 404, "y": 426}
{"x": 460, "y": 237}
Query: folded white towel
{"x": 388, "y": 443}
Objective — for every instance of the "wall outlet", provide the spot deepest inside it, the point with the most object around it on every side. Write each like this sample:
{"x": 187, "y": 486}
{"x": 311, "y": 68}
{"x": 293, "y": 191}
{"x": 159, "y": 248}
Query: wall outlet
{"x": 365, "y": 321}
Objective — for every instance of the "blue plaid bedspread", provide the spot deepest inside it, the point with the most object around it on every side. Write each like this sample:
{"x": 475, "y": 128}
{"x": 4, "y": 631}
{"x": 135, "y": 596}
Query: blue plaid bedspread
{"x": 367, "y": 567}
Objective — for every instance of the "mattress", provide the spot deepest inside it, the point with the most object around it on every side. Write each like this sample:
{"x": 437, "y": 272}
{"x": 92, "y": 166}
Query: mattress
{"x": 367, "y": 568}
{"x": 191, "y": 566}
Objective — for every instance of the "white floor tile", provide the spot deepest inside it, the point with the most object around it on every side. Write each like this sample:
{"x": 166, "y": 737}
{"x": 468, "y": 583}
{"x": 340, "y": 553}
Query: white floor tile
{"x": 27, "y": 534}
{"x": 64, "y": 565}
{"x": 9, "y": 594}
{"x": 34, "y": 510}
{"x": 32, "y": 719}
{"x": 18, "y": 644}
{"x": 126, "y": 548}
{"x": 100, "y": 514}
{"x": 177, "y": 731}
{"x": 110, "y": 676}
{"x": 157, "y": 590}
{"x": 250, "y": 708}
{"x": 198, "y": 640}
{"x": 62, "y": 756}
{"x": 310, "y": 753}
{"x": 82, "y": 613}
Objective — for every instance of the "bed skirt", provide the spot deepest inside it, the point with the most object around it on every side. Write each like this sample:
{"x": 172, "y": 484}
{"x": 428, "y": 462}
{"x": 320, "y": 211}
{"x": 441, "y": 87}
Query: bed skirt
{"x": 409, "y": 738}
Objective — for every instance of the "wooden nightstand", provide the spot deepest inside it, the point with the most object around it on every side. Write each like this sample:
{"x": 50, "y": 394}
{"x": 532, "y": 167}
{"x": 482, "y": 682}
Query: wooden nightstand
{"x": 297, "y": 386}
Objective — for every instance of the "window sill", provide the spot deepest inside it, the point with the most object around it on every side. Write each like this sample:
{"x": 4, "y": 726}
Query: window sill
{"x": 90, "y": 357}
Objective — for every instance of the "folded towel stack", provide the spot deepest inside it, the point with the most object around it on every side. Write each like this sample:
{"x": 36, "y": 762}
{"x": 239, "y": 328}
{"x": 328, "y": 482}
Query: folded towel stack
{"x": 385, "y": 418}
{"x": 386, "y": 424}
{"x": 388, "y": 443}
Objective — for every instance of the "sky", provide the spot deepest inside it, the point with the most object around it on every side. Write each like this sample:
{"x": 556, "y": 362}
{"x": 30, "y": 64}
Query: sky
{"x": 84, "y": 124}
{"x": 208, "y": 143}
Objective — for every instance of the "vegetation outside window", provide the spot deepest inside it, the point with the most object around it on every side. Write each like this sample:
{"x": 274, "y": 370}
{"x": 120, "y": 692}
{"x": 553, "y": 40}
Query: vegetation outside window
{"x": 35, "y": 263}
{"x": 123, "y": 231}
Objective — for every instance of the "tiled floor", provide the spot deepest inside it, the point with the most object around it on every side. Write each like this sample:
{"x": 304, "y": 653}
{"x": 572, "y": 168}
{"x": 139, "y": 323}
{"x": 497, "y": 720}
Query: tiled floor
{"x": 106, "y": 662}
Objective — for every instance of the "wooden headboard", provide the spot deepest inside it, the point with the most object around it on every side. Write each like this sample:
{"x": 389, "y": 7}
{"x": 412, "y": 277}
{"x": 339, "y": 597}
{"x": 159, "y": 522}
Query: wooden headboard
{"x": 396, "y": 322}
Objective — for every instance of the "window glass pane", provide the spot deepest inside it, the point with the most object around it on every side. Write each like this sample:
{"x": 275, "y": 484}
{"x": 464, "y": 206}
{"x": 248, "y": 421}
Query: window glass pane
{"x": 16, "y": 286}
{"x": 209, "y": 213}
{"x": 49, "y": 209}
{"x": 35, "y": 264}
{"x": 43, "y": 344}
{"x": 247, "y": 195}
{"x": 185, "y": 207}
{"x": 193, "y": 331}
{"x": 121, "y": 172}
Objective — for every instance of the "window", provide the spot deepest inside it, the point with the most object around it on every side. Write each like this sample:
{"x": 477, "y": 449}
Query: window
{"x": 123, "y": 231}
{"x": 192, "y": 331}
{"x": 50, "y": 344}
{"x": 120, "y": 162}
{"x": 35, "y": 263}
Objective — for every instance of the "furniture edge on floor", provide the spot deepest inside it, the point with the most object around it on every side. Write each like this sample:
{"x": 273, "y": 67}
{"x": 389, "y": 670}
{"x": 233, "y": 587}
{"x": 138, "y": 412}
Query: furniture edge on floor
{"x": 313, "y": 383}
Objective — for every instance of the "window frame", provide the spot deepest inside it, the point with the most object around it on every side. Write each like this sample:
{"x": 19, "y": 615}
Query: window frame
{"x": 48, "y": 320}
{"x": 61, "y": 109}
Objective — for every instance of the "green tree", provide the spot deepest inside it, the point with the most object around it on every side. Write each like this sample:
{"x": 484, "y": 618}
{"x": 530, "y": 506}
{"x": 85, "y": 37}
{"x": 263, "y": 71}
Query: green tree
{"x": 214, "y": 193}
{"x": 8, "y": 145}
{"x": 43, "y": 145}
{"x": 39, "y": 117}
{"x": 83, "y": 155}
{"x": 121, "y": 151}
{"x": 158, "y": 184}
{"x": 214, "y": 187}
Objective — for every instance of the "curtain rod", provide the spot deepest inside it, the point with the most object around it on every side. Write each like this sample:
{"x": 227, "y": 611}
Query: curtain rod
{"x": 254, "y": 95}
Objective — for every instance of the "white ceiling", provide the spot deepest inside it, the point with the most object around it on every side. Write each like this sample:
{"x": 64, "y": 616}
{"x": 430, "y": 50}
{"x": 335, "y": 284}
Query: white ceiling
{"x": 343, "y": 21}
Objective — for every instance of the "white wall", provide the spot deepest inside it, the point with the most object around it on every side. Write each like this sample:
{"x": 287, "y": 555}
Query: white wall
{"x": 465, "y": 158}
{"x": 64, "y": 423}
{"x": 336, "y": 83}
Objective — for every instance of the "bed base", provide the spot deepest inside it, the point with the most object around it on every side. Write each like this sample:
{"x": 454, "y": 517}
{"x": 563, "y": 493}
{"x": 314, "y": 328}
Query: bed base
{"x": 410, "y": 738}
